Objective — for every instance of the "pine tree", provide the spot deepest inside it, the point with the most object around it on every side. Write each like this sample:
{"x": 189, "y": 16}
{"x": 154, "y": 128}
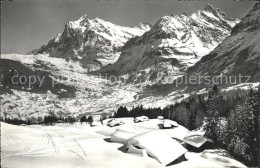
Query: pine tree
{"x": 242, "y": 142}
{"x": 212, "y": 114}
{"x": 90, "y": 119}
{"x": 83, "y": 119}
{"x": 254, "y": 103}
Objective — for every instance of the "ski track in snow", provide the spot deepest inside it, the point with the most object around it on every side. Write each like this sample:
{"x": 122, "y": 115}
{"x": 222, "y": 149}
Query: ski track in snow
{"x": 85, "y": 146}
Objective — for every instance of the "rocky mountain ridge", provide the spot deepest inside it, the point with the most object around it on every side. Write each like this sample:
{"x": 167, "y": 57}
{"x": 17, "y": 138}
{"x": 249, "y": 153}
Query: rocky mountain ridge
{"x": 172, "y": 45}
{"x": 238, "y": 54}
{"x": 93, "y": 42}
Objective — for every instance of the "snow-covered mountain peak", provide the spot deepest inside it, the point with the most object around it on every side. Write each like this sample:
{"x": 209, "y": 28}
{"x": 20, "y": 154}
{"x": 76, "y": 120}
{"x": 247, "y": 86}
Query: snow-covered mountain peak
{"x": 57, "y": 37}
{"x": 93, "y": 42}
{"x": 144, "y": 26}
{"x": 209, "y": 16}
{"x": 210, "y": 8}
{"x": 83, "y": 18}
{"x": 238, "y": 55}
{"x": 79, "y": 23}
{"x": 168, "y": 24}
{"x": 85, "y": 22}
{"x": 173, "y": 44}
{"x": 215, "y": 15}
{"x": 215, "y": 11}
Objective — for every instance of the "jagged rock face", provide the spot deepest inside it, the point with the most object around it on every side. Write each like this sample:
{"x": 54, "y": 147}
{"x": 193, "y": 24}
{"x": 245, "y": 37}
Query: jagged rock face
{"x": 94, "y": 42}
{"x": 174, "y": 43}
{"x": 238, "y": 54}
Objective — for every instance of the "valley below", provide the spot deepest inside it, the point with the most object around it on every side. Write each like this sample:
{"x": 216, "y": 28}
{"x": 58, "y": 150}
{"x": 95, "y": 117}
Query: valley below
{"x": 183, "y": 92}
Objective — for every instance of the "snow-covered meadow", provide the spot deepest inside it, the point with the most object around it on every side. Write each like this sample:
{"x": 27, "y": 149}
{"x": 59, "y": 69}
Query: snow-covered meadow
{"x": 80, "y": 145}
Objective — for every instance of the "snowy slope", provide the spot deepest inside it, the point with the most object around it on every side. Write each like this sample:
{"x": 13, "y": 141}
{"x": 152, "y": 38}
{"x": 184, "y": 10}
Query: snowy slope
{"x": 172, "y": 45}
{"x": 95, "y": 42}
{"x": 80, "y": 145}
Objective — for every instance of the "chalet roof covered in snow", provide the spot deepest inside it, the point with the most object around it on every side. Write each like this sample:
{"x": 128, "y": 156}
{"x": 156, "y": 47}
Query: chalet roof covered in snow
{"x": 158, "y": 145}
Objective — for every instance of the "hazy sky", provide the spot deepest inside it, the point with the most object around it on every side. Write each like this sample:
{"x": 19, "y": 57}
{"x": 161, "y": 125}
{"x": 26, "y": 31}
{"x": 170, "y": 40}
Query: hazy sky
{"x": 27, "y": 25}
